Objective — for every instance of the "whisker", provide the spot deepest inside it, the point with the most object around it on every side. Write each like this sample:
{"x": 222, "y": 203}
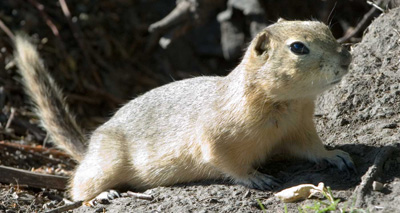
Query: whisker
{"x": 330, "y": 17}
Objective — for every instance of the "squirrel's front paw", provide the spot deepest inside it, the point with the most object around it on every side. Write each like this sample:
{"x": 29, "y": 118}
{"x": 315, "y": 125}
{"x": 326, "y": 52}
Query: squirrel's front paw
{"x": 341, "y": 159}
{"x": 260, "y": 181}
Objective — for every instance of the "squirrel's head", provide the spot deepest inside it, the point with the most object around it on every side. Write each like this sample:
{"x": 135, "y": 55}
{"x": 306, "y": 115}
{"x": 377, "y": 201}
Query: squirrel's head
{"x": 295, "y": 59}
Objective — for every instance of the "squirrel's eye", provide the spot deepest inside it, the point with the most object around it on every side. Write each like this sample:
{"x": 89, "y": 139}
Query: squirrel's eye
{"x": 299, "y": 48}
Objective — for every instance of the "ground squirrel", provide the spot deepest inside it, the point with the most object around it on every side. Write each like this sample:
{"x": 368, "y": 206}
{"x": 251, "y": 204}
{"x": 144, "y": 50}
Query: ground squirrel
{"x": 203, "y": 127}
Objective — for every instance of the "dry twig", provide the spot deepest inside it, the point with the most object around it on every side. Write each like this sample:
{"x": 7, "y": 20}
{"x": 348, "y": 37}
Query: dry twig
{"x": 46, "y": 18}
{"x": 6, "y": 30}
{"x": 138, "y": 195}
{"x": 362, "y": 25}
{"x": 11, "y": 118}
{"x": 53, "y": 28}
{"x": 375, "y": 5}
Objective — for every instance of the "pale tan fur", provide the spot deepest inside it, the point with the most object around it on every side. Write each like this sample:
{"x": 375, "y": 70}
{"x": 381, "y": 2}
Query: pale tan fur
{"x": 48, "y": 98}
{"x": 215, "y": 127}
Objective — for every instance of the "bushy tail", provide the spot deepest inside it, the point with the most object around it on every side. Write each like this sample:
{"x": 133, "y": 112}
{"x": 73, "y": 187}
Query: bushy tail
{"x": 48, "y": 99}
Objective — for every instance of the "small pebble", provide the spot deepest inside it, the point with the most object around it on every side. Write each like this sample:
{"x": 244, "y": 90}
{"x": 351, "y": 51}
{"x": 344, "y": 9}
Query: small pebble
{"x": 377, "y": 186}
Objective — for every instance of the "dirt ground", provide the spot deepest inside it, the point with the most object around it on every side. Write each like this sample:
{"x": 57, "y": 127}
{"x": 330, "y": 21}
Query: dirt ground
{"x": 360, "y": 116}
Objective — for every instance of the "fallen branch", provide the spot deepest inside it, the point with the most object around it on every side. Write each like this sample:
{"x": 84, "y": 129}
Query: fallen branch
{"x": 373, "y": 172}
{"x": 32, "y": 179}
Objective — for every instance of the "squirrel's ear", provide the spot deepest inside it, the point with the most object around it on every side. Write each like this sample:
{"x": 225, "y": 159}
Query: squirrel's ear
{"x": 281, "y": 20}
{"x": 261, "y": 43}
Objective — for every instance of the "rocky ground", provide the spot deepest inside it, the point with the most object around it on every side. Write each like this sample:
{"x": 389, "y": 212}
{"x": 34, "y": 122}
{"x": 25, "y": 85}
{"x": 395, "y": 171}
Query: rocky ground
{"x": 360, "y": 116}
